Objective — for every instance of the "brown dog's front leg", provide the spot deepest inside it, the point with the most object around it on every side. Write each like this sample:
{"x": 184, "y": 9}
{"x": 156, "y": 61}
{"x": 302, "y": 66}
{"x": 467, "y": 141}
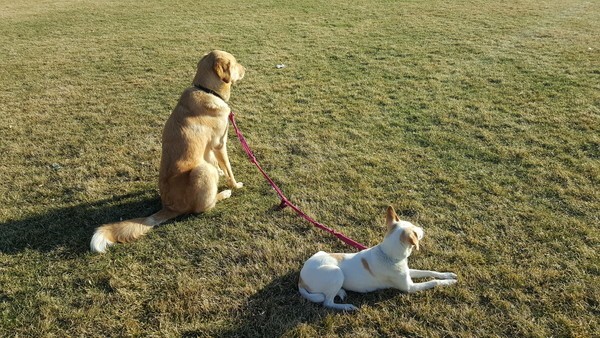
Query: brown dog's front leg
{"x": 223, "y": 159}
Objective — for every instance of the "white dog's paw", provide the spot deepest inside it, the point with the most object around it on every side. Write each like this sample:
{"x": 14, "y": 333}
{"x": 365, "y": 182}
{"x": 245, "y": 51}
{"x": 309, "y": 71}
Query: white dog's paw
{"x": 237, "y": 185}
{"x": 349, "y": 307}
{"x": 448, "y": 275}
{"x": 342, "y": 307}
{"x": 447, "y": 281}
{"x": 342, "y": 294}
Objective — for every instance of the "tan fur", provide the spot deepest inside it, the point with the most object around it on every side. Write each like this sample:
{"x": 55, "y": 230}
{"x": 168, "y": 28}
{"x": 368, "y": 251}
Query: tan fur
{"x": 410, "y": 237}
{"x": 130, "y": 230}
{"x": 193, "y": 149}
{"x": 338, "y": 256}
{"x": 365, "y": 265}
{"x": 390, "y": 219}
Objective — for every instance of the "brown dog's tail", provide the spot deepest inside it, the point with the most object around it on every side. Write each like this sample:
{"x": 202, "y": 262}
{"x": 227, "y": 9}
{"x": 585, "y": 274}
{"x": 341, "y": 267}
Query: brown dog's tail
{"x": 129, "y": 230}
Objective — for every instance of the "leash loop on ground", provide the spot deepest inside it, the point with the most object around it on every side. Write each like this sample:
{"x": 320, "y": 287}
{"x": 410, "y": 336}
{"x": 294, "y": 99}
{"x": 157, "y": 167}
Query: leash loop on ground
{"x": 285, "y": 202}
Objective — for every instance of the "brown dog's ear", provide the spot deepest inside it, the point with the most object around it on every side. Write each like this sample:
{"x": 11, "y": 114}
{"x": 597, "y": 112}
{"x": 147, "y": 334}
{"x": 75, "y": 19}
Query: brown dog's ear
{"x": 391, "y": 217}
{"x": 409, "y": 236}
{"x": 222, "y": 68}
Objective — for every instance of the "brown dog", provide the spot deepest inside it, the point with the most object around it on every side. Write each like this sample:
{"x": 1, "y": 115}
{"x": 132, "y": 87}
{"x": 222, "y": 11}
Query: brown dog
{"x": 193, "y": 152}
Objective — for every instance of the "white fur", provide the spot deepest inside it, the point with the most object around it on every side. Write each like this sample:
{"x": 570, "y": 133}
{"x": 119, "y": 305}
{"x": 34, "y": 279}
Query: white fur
{"x": 383, "y": 266}
{"x": 99, "y": 242}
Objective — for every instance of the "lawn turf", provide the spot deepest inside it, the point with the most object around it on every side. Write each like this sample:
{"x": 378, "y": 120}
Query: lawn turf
{"x": 478, "y": 120}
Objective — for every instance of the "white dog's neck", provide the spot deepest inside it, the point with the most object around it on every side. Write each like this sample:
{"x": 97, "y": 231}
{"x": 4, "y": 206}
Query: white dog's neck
{"x": 392, "y": 255}
{"x": 383, "y": 257}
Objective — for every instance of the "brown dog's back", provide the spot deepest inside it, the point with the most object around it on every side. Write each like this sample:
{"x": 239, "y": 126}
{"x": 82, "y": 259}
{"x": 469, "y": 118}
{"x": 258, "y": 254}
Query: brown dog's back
{"x": 193, "y": 151}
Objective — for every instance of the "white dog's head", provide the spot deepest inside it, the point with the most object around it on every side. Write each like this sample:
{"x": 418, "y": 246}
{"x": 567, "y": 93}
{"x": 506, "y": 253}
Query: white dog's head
{"x": 402, "y": 236}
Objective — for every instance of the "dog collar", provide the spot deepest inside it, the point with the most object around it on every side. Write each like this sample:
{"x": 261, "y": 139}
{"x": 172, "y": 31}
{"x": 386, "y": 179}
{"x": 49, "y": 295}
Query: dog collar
{"x": 385, "y": 256}
{"x": 209, "y": 91}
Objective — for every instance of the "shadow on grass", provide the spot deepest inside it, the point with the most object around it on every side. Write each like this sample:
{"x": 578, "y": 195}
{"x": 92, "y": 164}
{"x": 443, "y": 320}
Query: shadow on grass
{"x": 278, "y": 309}
{"x": 70, "y": 229}
{"x": 271, "y": 312}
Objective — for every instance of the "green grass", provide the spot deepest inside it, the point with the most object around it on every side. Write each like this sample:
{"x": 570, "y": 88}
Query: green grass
{"x": 478, "y": 120}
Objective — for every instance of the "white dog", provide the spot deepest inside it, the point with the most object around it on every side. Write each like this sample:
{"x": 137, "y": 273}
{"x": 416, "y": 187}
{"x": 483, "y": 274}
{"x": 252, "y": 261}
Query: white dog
{"x": 326, "y": 275}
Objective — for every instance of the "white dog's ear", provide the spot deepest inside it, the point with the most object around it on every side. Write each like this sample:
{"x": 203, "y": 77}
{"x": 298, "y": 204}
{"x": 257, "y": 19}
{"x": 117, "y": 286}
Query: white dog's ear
{"x": 409, "y": 236}
{"x": 391, "y": 217}
{"x": 222, "y": 67}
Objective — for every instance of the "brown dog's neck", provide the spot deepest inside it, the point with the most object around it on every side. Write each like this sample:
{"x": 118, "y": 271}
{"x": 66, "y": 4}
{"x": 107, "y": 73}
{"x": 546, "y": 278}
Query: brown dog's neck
{"x": 212, "y": 84}
{"x": 209, "y": 91}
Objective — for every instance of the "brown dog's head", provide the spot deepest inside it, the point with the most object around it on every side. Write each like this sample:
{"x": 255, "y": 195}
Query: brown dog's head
{"x": 217, "y": 71}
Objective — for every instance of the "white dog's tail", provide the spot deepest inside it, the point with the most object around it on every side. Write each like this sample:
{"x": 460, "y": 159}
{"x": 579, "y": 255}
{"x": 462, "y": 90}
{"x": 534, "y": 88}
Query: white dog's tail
{"x": 313, "y": 297}
{"x": 127, "y": 231}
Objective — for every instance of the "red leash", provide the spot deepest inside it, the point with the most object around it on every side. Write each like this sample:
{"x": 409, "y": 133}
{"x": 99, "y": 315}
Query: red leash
{"x": 284, "y": 201}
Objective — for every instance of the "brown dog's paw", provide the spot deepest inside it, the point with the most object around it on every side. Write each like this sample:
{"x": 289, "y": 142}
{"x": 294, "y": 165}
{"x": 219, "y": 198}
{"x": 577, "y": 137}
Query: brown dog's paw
{"x": 223, "y": 195}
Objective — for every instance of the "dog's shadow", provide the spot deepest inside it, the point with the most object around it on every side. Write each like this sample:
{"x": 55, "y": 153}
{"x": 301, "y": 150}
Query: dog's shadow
{"x": 68, "y": 230}
{"x": 274, "y": 310}
{"x": 278, "y": 309}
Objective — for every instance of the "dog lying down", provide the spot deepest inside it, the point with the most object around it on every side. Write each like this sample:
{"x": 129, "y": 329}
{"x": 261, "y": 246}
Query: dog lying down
{"x": 326, "y": 275}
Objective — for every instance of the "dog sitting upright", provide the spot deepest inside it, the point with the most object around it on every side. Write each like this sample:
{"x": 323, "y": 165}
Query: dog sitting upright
{"x": 194, "y": 152}
{"x": 326, "y": 275}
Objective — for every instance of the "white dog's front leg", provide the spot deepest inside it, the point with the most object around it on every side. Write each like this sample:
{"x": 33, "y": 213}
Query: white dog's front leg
{"x": 414, "y": 287}
{"x": 405, "y": 283}
{"x": 426, "y": 273}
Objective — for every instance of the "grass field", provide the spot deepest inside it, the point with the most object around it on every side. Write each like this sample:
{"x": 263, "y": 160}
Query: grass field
{"x": 478, "y": 120}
